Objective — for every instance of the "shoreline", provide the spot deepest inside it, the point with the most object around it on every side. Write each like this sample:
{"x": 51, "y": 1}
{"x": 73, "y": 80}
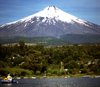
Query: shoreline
{"x": 63, "y": 76}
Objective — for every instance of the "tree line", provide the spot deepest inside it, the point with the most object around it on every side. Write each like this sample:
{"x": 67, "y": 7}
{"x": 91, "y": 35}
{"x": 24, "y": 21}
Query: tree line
{"x": 38, "y": 59}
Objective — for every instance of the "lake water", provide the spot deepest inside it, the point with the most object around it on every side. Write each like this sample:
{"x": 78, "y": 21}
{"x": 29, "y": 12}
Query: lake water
{"x": 56, "y": 82}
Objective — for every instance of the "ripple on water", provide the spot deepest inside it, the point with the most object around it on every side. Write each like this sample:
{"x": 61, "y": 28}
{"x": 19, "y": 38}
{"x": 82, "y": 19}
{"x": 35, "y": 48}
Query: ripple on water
{"x": 57, "y": 82}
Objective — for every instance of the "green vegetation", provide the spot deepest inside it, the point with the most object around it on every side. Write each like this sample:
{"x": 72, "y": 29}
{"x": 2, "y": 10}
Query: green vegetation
{"x": 23, "y": 60}
{"x": 81, "y": 38}
{"x": 46, "y": 41}
{"x": 15, "y": 71}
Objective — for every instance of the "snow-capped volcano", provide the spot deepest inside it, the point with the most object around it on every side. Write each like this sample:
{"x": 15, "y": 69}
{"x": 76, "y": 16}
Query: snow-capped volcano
{"x": 51, "y": 21}
{"x": 53, "y": 12}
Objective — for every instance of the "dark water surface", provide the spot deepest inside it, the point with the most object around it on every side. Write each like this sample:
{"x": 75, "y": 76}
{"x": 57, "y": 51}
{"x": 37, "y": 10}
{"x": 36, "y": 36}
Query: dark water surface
{"x": 56, "y": 82}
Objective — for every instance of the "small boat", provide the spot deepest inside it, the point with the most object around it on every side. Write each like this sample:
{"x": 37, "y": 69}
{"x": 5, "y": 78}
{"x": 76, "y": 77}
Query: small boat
{"x": 7, "y": 81}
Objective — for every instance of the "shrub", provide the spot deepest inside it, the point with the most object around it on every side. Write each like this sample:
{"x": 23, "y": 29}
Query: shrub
{"x": 54, "y": 71}
{"x": 72, "y": 64}
{"x": 75, "y": 71}
{"x": 23, "y": 73}
{"x": 3, "y": 72}
{"x": 16, "y": 71}
{"x": 59, "y": 73}
{"x": 50, "y": 71}
{"x": 63, "y": 72}
{"x": 84, "y": 71}
{"x": 90, "y": 73}
{"x": 3, "y": 64}
{"x": 70, "y": 71}
{"x": 38, "y": 73}
{"x": 49, "y": 74}
{"x": 97, "y": 72}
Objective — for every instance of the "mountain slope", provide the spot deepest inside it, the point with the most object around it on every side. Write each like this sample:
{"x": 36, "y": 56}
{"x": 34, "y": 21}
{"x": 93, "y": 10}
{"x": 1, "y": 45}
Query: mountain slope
{"x": 46, "y": 41}
{"x": 51, "y": 21}
{"x": 81, "y": 38}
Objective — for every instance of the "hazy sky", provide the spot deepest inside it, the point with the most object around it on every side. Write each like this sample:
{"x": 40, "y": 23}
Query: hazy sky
{"x": 13, "y": 10}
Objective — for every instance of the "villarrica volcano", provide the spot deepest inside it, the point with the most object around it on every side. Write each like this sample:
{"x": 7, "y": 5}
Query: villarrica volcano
{"x": 53, "y": 22}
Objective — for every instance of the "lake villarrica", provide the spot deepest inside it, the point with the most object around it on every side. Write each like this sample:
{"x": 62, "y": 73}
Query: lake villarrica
{"x": 56, "y": 82}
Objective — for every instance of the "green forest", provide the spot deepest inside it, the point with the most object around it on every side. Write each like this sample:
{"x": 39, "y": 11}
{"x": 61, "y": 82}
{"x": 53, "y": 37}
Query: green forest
{"x": 23, "y": 60}
{"x": 46, "y": 41}
{"x": 81, "y": 38}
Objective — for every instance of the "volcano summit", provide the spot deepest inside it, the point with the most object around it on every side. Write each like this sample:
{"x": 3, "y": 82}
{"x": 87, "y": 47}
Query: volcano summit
{"x": 51, "y": 21}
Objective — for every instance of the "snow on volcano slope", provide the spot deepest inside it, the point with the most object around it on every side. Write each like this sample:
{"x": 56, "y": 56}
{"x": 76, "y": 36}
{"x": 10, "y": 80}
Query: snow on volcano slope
{"x": 53, "y": 12}
{"x": 51, "y": 21}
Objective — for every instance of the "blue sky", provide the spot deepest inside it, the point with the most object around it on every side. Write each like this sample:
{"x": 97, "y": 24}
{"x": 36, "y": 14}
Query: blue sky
{"x": 13, "y": 10}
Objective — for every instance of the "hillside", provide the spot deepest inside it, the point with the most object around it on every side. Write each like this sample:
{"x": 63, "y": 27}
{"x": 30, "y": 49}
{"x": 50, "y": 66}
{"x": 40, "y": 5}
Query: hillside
{"x": 81, "y": 38}
{"x": 46, "y": 41}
